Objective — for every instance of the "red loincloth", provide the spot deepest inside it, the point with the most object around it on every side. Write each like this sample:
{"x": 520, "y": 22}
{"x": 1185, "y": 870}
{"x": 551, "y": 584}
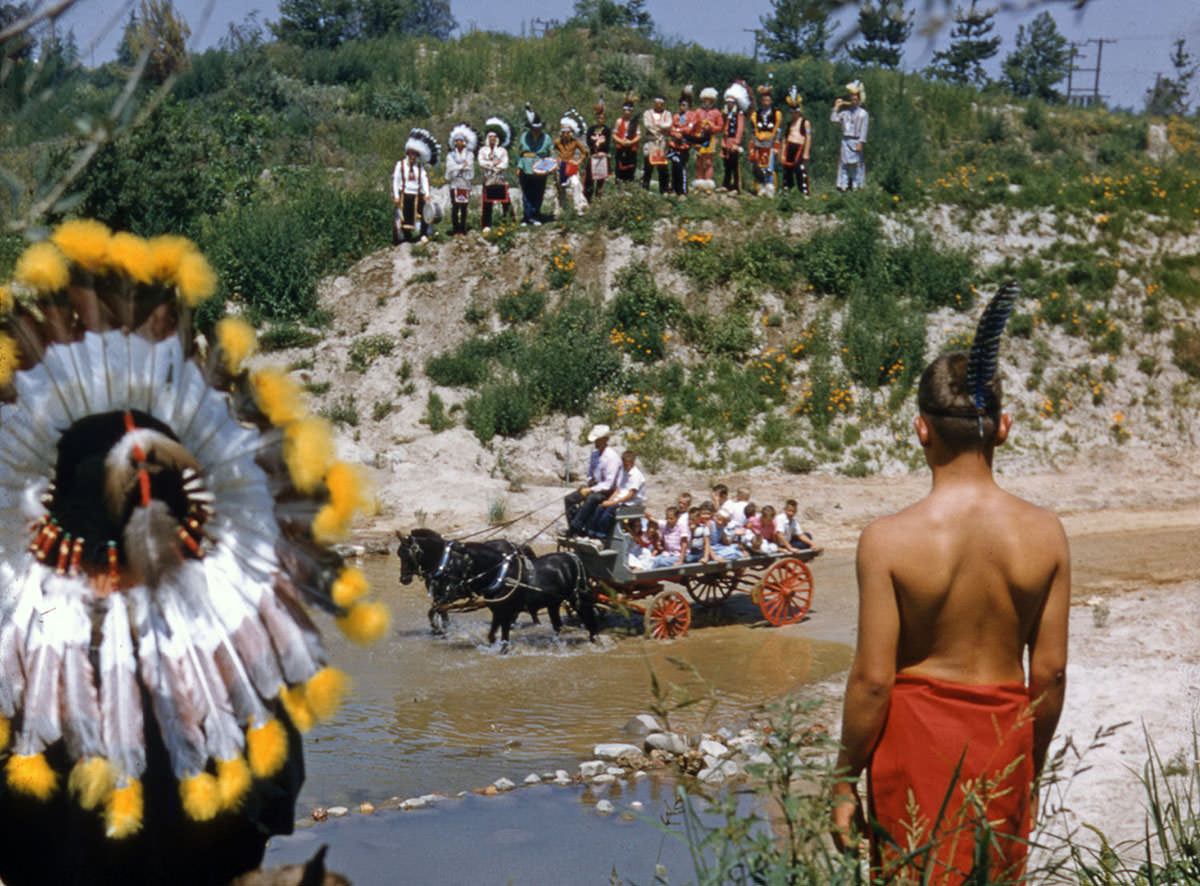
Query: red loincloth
{"x": 931, "y": 726}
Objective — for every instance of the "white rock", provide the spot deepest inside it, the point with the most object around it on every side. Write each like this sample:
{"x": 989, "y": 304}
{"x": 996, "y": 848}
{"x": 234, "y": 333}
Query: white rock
{"x": 503, "y": 784}
{"x": 591, "y": 768}
{"x": 565, "y": 779}
{"x": 711, "y": 748}
{"x": 636, "y": 774}
{"x": 643, "y": 724}
{"x": 603, "y": 778}
{"x": 613, "y": 749}
{"x": 760, "y": 758}
{"x": 414, "y": 803}
{"x": 604, "y": 807}
{"x": 666, "y": 741}
{"x": 636, "y": 804}
{"x": 724, "y": 733}
{"x": 615, "y": 771}
{"x": 337, "y": 811}
{"x": 533, "y": 778}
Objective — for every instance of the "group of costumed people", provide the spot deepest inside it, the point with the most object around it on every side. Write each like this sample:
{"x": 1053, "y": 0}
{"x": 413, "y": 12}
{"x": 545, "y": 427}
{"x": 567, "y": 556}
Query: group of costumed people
{"x": 583, "y": 158}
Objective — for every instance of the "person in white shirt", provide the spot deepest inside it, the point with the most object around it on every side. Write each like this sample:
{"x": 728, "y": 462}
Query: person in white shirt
{"x": 410, "y": 185}
{"x": 603, "y": 467}
{"x": 493, "y": 161}
{"x": 736, "y": 509}
{"x": 854, "y": 121}
{"x": 790, "y": 535}
{"x": 460, "y": 172}
{"x": 630, "y": 490}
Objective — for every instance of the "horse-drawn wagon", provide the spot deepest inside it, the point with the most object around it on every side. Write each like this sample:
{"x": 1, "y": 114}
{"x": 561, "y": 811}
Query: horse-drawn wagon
{"x": 780, "y": 584}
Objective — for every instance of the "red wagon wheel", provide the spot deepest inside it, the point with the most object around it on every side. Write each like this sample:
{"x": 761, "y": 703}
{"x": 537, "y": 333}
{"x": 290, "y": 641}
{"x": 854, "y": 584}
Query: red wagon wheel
{"x": 669, "y": 615}
{"x": 711, "y": 589}
{"x": 786, "y": 592}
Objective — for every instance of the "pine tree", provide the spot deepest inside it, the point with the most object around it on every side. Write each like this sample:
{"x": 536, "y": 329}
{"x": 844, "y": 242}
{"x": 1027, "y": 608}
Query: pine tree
{"x": 1169, "y": 95}
{"x": 328, "y": 23}
{"x": 1040, "y": 60}
{"x": 885, "y": 28}
{"x": 796, "y": 29}
{"x": 970, "y": 46}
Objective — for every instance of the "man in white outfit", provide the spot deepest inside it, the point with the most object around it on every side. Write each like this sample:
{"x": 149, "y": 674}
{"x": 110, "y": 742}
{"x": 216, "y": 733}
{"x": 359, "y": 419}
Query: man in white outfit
{"x": 630, "y": 489}
{"x": 854, "y": 120}
{"x": 603, "y": 467}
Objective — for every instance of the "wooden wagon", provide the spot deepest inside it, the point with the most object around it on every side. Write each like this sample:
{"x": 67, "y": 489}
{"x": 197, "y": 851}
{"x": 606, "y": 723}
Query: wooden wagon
{"x": 780, "y": 584}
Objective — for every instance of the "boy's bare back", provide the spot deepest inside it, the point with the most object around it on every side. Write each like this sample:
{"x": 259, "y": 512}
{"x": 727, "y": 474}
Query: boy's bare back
{"x": 970, "y": 568}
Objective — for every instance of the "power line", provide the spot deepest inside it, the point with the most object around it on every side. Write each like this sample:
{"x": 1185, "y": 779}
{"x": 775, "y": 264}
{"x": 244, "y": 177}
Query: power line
{"x": 1081, "y": 95}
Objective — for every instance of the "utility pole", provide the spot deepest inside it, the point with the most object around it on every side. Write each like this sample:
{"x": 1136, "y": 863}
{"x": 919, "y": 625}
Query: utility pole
{"x": 755, "y": 32}
{"x": 1082, "y": 95}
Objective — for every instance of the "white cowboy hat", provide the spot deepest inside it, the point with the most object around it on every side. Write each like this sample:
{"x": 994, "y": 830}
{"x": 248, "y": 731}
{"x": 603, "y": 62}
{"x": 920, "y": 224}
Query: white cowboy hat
{"x": 599, "y": 432}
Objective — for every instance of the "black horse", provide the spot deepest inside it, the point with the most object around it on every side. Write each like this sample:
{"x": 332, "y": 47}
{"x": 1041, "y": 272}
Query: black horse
{"x": 514, "y": 581}
{"x": 423, "y": 554}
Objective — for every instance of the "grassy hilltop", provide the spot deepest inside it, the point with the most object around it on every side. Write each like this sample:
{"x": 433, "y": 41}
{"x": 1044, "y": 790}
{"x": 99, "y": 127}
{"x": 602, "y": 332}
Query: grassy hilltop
{"x": 720, "y": 333}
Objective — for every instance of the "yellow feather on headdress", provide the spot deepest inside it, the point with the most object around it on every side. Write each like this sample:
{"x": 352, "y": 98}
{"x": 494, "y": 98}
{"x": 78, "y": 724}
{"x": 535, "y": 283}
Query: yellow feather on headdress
{"x": 297, "y": 707}
{"x": 31, "y": 775}
{"x": 278, "y": 396}
{"x": 10, "y": 359}
{"x": 131, "y": 254}
{"x": 266, "y": 748}
{"x": 123, "y": 814}
{"x": 325, "y": 690}
{"x": 6, "y": 300}
{"x": 237, "y": 339}
{"x": 201, "y": 797}
{"x": 84, "y": 241}
{"x": 233, "y": 781}
{"x": 5, "y": 732}
{"x": 195, "y": 279}
{"x": 365, "y": 622}
{"x": 43, "y": 268}
{"x": 166, "y": 252}
{"x": 91, "y": 781}
{"x": 347, "y": 496}
{"x": 350, "y": 587}
{"x": 307, "y": 451}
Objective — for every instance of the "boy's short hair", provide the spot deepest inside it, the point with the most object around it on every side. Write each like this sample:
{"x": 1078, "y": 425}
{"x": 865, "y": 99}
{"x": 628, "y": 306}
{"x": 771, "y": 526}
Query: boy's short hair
{"x": 673, "y": 509}
{"x": 791, "y": 503}
{"x": 743, "y": 492}
{"x": 943, "y": 397}
{"x": 707, "y": 505}
{"x": 751, "y": 509}
{"x": 768, "y": 508}
{"x": 685, "y": 497}
{"x": 720, "y": 489}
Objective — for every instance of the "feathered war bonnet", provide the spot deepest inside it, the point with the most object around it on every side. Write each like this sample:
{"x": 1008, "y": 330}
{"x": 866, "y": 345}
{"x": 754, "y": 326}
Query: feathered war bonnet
{"x": 163, "y": 516}
{"x": 688, "y": 94}
{"x": 422, "y": 143}
{"x": 739, "y": 95}
{"x": 572, "y": 121}
{"x": 467, "y": 133}
{"x": 708, "y": 92}
{"x": 501, "y": 128}
{"x": 958, "y": 385}
{"x": 795, "y": 99}
{"x": 532, "y": 119}
{"x": 855, "y": 87}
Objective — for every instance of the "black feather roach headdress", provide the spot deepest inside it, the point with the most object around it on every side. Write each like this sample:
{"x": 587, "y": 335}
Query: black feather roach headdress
{"x": 985, "y": 348}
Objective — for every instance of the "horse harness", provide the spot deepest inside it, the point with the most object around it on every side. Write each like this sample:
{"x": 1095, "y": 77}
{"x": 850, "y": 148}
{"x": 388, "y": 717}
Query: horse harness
{"x": 478, "y": 599}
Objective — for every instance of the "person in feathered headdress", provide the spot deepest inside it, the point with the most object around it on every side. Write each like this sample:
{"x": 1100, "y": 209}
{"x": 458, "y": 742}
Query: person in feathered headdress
{"x": 767, "y": 122}
{"x": 707, "y": 127}
{"x": 460, "y": 172}
{"x": 626, "y": 138}
{"x": 854, "y": 120}
{"x": 572, "y": 156}
{"x": 166, "y": 518}
{"x": 679, "y": 144}
{"x": 599, "y": 145}
{"x": 410, "y": 185}
{"x": 797, "y": 145}
{"x": 737, "y": 103}
{"x": 534, "y": 150}
{"x": 656, "y": 128}
{"x": 960, "y": 668}
{"x": 493, "y": 160}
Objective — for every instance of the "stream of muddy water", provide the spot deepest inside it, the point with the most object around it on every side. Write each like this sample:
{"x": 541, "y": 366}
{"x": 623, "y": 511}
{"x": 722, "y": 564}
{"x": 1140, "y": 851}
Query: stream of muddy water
{"x": 452, "y": 714}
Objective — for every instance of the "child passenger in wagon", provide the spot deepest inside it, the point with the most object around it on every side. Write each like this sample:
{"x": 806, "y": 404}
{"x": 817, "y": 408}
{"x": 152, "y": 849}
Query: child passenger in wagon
{"x": 953, "y": 592}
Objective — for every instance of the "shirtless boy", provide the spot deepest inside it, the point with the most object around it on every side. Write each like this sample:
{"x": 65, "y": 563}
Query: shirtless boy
{"x": 952, "y": 592}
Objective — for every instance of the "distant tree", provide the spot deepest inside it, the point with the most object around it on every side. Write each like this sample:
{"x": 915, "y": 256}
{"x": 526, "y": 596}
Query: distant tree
{"x": 19, "y": 47}
{"x": 601, "y": 15}
{"x": 885, "y": 27}
{"x": 1169, "y": 95}
{"x": 970, "y": 46}
{"x": 1041, "y": 60}
{"x": 156, "y": 29}
{"x": 796, "y": 29}
{"x": 316, "y": 24}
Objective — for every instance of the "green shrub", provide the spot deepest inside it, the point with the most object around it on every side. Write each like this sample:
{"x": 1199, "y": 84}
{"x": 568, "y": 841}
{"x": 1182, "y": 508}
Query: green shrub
{"x": 628, "y": 210}
{"x": 281, "y": 336}
{"x": 342, "y": 411}
{"x": 835, "y": 260}
{"x": 1185, "y": 349}
{"x": 466, "y": 365}
{"x": 367, "y": 349}
{"x": 381, "y": 410}
{"x": 435, "y": 416}
{"x": 570, "y": 356}
{"x": 318, "y": 388}
{"x": 933, "y": 277}
{"x": 640, "y": 315}
{"x": 883, "y": 340}
{"x": 520, "y": 305}
{"x": 505, "y": 408}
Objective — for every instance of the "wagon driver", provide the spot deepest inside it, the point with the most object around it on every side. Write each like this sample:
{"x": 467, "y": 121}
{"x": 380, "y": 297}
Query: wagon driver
{"x": 603, "y": 467}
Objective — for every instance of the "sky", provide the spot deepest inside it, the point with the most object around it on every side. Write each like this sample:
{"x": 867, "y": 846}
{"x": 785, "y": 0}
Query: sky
{"x": 1128, "y": 66}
